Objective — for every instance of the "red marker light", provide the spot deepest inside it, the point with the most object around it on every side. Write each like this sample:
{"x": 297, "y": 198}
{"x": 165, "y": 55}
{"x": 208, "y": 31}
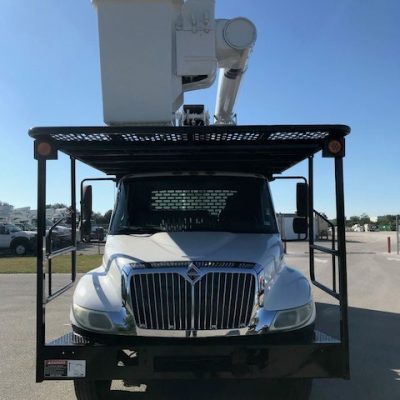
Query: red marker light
{"x": 334, "y": 146}
{"x": 44, "y": 149}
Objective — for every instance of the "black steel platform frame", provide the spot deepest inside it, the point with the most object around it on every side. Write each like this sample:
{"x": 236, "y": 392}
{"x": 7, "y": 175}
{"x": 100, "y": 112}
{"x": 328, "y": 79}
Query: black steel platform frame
{"x": 266, "y": 150}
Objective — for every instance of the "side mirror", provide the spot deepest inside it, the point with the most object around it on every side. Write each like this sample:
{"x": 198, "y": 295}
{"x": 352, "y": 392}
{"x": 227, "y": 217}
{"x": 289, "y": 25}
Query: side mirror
{"x": 300, "y": 226}
{"x": 86, "y": 211}
{"x": 302, "y": 200}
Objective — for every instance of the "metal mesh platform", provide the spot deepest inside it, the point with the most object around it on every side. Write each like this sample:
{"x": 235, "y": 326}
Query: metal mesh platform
{"x": 69, "y": 339}
{"x": 119, "y": 150}
{"x": 72, "y": 339}
{"x": 321, "y": 337}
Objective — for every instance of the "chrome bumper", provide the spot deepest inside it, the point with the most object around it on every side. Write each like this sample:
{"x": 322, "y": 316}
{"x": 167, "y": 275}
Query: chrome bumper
{"x": 123, "y": 324}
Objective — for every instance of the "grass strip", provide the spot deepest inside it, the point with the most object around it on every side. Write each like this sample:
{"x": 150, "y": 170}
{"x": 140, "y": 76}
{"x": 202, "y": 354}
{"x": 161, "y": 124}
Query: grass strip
{"x": 61, "y": 264}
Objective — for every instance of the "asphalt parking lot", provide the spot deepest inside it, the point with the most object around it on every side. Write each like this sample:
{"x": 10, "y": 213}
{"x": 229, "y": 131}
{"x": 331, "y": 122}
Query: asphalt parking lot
{"x": 374, "y": 282}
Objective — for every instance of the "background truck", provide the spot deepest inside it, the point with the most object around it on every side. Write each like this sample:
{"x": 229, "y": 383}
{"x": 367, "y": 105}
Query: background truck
{"x": 193, "y": 283}
{"x": 18, "y": 241}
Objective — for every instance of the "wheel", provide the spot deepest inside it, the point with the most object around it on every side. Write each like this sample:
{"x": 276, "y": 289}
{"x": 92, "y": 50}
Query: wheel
{"x": 271, "y": 389}
{"x": 92, "y": 390}
{"x": 296, "y": 389}
{"x": 20, "y": 248}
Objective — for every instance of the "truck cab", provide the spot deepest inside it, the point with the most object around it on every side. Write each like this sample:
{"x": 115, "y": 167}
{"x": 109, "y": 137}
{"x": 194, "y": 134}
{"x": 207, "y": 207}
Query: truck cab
{"x": 193, "y": 254}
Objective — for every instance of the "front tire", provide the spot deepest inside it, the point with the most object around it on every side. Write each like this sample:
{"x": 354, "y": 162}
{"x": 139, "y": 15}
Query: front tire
{"x": 20, "y": 248}
{"x": 297, "y": 389}
{"x": 267, "y": 389}
{"x": 92, "y": 390}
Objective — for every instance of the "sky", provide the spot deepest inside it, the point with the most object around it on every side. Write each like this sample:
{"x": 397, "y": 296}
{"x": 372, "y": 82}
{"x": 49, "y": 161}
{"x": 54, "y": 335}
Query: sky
{"x": 331, "y": 61}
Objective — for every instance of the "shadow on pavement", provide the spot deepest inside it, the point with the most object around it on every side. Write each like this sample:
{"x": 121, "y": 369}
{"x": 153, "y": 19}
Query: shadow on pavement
{"x": 374, "y": 355}
{"x": 374, "y": 360}
{"x": 198, "y": 391}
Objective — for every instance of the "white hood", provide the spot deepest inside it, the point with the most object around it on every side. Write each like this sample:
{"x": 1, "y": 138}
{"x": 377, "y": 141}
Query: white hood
{"x": 181, "y": 246}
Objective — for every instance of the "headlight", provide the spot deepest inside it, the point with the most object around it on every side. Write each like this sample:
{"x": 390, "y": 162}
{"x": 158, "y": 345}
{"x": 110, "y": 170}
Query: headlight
{"x": 94, "y": 320}
{"x": 265, "y": 278}
{"x": 293, "y": 318}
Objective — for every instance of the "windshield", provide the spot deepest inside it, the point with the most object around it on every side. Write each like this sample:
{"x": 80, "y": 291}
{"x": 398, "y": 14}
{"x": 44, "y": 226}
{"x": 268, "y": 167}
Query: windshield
{"x": 194, "y": 203}
{"x": 13, "y": 228}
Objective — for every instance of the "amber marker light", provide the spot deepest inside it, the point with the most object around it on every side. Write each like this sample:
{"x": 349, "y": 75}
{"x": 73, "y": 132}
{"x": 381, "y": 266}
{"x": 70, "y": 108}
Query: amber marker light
{"x": 44, "y": 149}
{"x": 334, "y": 146}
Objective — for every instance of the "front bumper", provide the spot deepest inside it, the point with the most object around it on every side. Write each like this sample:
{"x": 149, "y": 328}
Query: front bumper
{"x": 302, "y": 335}
{"x": 123, "y": 325}
{"x": 282, "y": 355}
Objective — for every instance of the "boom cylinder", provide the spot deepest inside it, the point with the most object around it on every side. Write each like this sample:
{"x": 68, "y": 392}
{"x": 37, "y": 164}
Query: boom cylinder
{"x": 239, "y": 36}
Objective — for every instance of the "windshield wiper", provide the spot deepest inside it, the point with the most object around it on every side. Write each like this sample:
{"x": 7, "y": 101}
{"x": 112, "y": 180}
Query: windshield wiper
{"x": 131, "y": 230}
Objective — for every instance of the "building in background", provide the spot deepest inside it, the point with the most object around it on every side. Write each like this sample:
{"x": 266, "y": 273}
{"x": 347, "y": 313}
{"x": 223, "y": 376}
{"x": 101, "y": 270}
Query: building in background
{"x": 5, "y": 213}
{"x": 27, "y": 216}
{"x": 285, "y": 223}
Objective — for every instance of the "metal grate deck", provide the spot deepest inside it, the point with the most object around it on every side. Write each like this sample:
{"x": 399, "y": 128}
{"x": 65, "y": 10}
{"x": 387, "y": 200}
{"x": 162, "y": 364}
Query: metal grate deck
{"x": 120, "y": 150}
{"x": 69, "y": 339}
{"x": 72, "y": 339}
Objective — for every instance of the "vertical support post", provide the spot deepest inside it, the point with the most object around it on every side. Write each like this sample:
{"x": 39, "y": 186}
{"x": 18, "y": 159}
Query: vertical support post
{"x": 50, "y": 275}
{"x": 341, "y": 236}
{"x": 334, "y": 259}
{"x": 73, "y": 217}
{"x": 389, "y": 246}
{"x": 398, "y": 234}
{"x": 40, "y": 273}
{"x": 311, "y": 215}
{"x": 81, "y": 209}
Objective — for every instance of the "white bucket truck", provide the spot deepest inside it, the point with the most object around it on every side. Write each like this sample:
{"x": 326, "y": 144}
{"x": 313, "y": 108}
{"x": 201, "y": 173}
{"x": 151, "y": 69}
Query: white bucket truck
{"x": 193, "y": 283}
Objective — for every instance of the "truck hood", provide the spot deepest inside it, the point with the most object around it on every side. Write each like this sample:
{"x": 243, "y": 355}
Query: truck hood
{"x": 181, "y": 246}
{"x": 25, "y": 234}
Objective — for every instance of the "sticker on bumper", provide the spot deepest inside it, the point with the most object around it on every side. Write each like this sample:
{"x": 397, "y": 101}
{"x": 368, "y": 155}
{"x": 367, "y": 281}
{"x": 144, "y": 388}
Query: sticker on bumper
{"x": 64, "y": 368}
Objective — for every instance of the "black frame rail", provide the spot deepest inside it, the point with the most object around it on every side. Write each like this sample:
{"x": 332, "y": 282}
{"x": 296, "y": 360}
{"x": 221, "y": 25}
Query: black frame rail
{"x": 267, "y": 150}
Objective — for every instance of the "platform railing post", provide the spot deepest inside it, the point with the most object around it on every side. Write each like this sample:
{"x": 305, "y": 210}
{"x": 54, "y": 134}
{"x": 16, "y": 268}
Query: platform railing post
{"x": 341, "y": 237}
{"x": 73, "y": 217}
{"x": 311, "y": 215}
{"x": 40, "y": 278}
{"x": 397, "y": 234}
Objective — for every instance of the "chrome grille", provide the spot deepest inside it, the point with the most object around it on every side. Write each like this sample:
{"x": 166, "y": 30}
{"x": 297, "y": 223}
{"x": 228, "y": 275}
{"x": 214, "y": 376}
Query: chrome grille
{"x": 167, "y": 301}
{"x": 162, "y": 301}
{"x": 201, "y": 264}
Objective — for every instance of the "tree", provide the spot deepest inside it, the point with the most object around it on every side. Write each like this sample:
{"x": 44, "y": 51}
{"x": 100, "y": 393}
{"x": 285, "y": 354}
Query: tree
{"x": 354, "y": 220}
{"x": 107, "y": 216}
{"x": 364, "y": 219}
{"x": 98, "y": 218}
{"x": 387, "y": 222}
{"x": 56, "y": 205}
